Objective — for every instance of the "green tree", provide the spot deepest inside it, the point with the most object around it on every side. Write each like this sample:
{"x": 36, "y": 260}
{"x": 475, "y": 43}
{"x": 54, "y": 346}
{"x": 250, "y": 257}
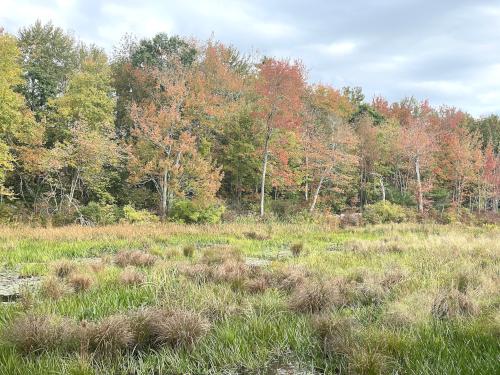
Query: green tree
{"x": 49, "y": 55}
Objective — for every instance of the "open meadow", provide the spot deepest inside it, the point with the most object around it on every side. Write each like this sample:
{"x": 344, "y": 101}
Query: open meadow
{"x": 250, "y": 299}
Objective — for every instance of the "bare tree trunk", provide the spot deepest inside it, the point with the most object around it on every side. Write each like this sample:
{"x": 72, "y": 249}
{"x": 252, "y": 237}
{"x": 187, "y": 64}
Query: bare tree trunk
{"x": 74, "y": 182}
{"x": 316, "y": 193}
{"x": 419, "y": 186}
{"x": 264, "y": 169}
{"x": 307, "y": 179}
{"x": 164, "y": 196}
{"x": 382, "y": 187}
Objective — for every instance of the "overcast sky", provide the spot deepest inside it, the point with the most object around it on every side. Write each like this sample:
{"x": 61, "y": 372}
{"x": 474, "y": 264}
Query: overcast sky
{"x": 447, "y": 51}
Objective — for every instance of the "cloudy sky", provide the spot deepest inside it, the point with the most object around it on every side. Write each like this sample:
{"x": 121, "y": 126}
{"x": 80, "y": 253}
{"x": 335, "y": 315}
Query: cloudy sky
{"x": 447, "y": 51}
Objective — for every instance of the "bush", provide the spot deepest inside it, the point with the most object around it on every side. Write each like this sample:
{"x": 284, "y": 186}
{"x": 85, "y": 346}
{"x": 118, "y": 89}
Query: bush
{"x": 186, "y": 211}
{"x": 101, "y": 214}
{"x": 385, "y": 212}
{"x": 131, "y": 215}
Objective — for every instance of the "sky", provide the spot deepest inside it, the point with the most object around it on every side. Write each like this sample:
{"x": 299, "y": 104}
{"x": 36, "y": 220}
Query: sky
{"x": 446, "y": 51}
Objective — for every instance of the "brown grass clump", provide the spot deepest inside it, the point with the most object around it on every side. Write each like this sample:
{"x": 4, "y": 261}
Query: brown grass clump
{"x": 63, "y": 268}
{"x": 314, "y": 296}
{"x": 297, "y": 248}
{"x": 392, "y": 277}
{"x": 137, "y": 258}
{"x": 200, "y": 273}
{"x": 97, "y": 266}
{"x": 37, "y": 333}
{"x": 368, "y": 293}
{"x": 131, "y": 276}
{"x": 365, "y": 360}
{"x": 220, "y": 254}
{"x": 453, "y": 303}
{"x": 54, "y": 288}
{"x": 180, "y": 328}
{"x": 256, "y": 236}
{"x": 80, "y": 282}
{"x": 337, "y": 335}
{"x": 111, "y": 335}
{"x": 289, "y": 278}
{"x": 188, "y": 251}
{"x": 231, "y": 271}
{"x": 257, "y": 285}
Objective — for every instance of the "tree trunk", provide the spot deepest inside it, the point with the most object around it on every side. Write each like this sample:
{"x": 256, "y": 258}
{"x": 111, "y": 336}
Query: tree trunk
{"x": 264, "y": 169}
{"x": 164, "y": 196}
{"x": 74, "y": 182}
{"x": 307, "y": 180}
{"x": 316, "y": 194}
{"x": 382, "y": 187}
{"x": 419, "y": 186}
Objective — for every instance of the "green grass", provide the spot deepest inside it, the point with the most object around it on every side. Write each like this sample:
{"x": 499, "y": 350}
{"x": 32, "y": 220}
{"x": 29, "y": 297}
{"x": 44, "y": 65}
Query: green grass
{"x": 258, "y": 333}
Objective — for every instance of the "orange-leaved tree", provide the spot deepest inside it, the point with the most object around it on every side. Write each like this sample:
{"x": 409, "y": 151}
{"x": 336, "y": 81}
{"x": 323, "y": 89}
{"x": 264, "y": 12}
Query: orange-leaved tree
{"x": 280, "y": 86}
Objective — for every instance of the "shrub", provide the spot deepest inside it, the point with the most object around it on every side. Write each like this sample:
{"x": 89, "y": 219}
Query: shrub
{"x": 134, "y": 258}
{"x": 101, "y": 214}
{"x": 80, "y": 282}
{"x": 131, "y": 215}
{"x": 131, "y": 276}
{"x": 36, "y": 333}
{"x": 186, "y": 211}
{"x": 451, "y": 304}
{"x": 188, "y": 251}
{"x": 385, "y": 212}
{"x": 297, "y": 248}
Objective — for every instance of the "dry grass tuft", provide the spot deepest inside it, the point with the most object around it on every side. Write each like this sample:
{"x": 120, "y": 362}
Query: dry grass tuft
{"x": 365, "y": 360}
{"x": 297, "y": 248}
{"x": 231, "y": 271}
{"x": 37, "y": 333}
{"x": 289, "y": 278}
{"x": 256, "y": 236}
{"x": 368, "y": 293}
{"x": 54, "y": 288}
{"x": 80, "y": 282}
{"x": 188, "y": 251}
{"x": 131, "y": 276}
{"x": 179, "y": 329}
{"x": 337, "y": 335}
{"x": 63, "y": 268}
{"x": 110, "y": 336}
{"x": 97, "y": 266}
{"x": 453, "y": 303}
{"x": 221, "y": 254}
{"x": 200, "y": 273}
{"x": 257, "y": 285}
{"x": 315, "y": 295}
{"x": 137, "y": 258}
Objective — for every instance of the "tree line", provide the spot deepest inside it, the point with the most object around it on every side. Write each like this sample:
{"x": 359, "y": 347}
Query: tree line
{"x": 182, "y": 128}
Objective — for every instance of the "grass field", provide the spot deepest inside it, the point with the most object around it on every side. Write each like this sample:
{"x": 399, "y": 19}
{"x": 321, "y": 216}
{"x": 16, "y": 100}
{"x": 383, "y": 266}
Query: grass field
{"x": 252, "y": 299}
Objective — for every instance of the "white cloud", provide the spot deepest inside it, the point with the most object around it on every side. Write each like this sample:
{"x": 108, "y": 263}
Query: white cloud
{"x": 337, "y": 48}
